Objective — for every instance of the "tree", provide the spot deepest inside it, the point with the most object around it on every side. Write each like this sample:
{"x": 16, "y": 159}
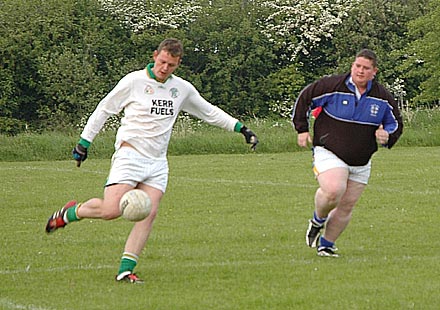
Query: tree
{"x": 57, "y": 59}
{"x": 423, "y": 61}
{"x": 381, "y": 26}
{"x": 141, "y": 15}
{"x": 229, "y": 58}
{"x": 298, "y": 26}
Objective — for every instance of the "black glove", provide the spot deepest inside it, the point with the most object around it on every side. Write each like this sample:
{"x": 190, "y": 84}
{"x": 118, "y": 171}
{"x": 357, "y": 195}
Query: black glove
{"x": 79, "y": 153}
{"x": 250, "y": 137}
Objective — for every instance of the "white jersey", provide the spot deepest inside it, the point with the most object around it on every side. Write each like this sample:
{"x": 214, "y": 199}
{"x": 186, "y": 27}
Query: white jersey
{"x": 150, "y": 111}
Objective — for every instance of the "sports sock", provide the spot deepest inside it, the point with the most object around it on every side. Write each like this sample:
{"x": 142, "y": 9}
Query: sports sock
{"x": 318, "y": 220}
{"x": 324, "y": 242}
{"x": 128, "y": 262}
{"x": 72, "y": 214}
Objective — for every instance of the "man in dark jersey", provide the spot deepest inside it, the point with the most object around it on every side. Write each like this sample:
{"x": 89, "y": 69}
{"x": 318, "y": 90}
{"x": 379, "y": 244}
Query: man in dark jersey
{"x": 353, "y": 114}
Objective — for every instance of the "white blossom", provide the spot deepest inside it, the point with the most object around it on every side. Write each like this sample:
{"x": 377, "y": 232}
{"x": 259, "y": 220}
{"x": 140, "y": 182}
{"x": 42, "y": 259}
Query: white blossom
{"x": 140, "y": 15}
{"x": 299, "y": 25}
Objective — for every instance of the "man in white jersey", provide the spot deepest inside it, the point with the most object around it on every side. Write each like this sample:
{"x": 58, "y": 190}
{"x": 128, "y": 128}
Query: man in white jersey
{"x": 151, "y": 100}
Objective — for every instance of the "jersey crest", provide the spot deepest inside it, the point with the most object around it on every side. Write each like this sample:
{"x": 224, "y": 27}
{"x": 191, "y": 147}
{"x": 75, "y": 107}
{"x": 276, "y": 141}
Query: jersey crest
{"x": 149, "y": 90}
{"x": 374, "y": 110}
{"x": 174, "y": 93}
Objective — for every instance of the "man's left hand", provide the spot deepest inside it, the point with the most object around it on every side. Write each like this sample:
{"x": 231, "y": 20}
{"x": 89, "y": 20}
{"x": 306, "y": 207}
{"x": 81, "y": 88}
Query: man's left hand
{"x": 250, "y": 137}
{"x": 382, "y": 135}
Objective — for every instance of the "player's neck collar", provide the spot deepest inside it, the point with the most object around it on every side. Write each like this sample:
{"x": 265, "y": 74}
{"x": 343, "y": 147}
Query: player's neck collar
{"x": 151, "y": 73}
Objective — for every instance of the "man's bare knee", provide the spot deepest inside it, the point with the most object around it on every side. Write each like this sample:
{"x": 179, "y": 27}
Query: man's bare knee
{"x": 333, "y": 195}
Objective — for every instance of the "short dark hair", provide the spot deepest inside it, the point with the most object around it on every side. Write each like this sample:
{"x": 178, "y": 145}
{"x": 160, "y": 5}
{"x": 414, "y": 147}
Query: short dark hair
{"x": 172, "y": 46}
{"x": 368, "y": 54}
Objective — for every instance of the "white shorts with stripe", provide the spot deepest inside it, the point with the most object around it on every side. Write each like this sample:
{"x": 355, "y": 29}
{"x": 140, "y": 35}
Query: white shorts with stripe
{"x": 324, "y": 160}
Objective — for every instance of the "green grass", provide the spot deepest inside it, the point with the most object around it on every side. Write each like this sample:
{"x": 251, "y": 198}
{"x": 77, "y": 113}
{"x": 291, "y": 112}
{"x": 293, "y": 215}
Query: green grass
{"x": 191, "y": 137}
{"x": 229, "y": 235}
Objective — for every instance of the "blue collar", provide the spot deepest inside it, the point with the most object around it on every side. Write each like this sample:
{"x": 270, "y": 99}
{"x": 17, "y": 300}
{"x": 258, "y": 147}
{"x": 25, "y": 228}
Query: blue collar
{"x": 351, "y": 86}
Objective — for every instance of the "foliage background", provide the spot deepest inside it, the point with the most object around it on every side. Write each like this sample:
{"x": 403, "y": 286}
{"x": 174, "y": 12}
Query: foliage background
{"x": 251, "y": 58}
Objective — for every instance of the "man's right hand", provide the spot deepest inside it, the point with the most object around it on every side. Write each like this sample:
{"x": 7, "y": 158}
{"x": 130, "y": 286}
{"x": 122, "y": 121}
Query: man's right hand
{"x": 79, "y": 153}
{"x": 304, "y": 139}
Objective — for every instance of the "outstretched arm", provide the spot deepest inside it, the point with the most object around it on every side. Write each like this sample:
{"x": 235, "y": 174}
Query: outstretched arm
{"x": 201, "y": 108}
{"x": 248, "y": 134}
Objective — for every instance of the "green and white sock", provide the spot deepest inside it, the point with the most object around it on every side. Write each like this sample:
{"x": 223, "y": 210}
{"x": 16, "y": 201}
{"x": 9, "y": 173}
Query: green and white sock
{"x": 72, "y": 214}
{"x": 128, "y": 262}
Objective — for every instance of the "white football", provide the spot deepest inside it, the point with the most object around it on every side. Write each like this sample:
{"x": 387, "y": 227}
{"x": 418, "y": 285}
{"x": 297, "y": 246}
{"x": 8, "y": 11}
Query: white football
{"x": 135, "y": 205}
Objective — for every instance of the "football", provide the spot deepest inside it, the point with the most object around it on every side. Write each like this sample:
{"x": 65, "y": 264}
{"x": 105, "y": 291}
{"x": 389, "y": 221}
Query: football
{"x": 135, "y": 205}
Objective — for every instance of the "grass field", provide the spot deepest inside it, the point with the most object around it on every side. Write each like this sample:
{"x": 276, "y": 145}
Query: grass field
{"x": 229, "y": 235}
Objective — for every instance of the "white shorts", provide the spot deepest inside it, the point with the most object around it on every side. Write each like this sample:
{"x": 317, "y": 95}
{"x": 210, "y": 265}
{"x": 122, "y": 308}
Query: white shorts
{"x": 130, "y": 167}
{"x": 324, "y": 160}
